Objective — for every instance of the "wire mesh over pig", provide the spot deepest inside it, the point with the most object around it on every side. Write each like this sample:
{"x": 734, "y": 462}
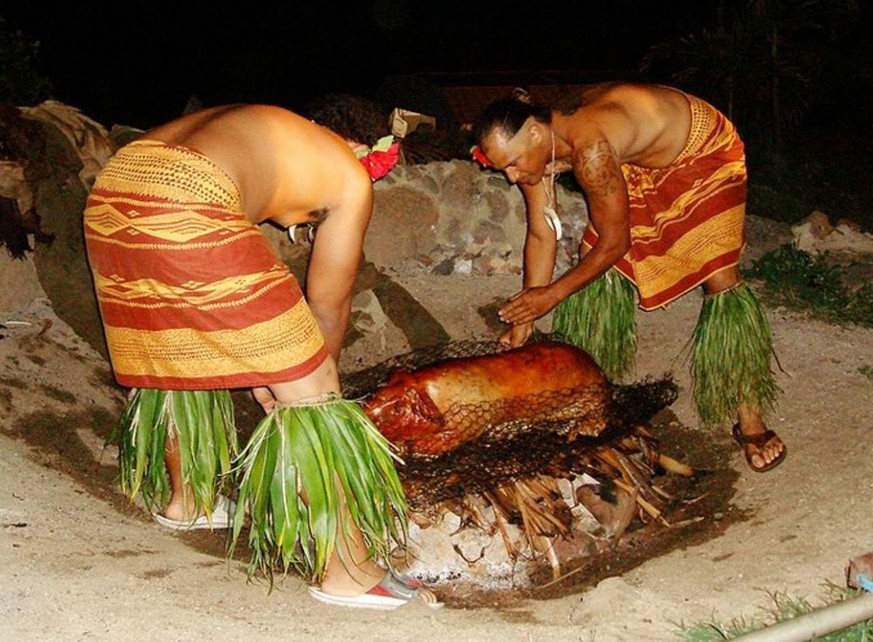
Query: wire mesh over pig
{"x": 480, "y": 426}
{"x": 468, "y": 416}
{"x": 490, "y": 398}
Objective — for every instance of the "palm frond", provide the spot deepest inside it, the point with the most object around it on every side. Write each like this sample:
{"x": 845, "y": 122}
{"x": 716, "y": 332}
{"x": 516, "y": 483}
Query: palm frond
{"x": 311, "y": 474}
{"x": 732, "y": 346}
{"x": 601, "y": 319}
{"x": 202, "y": 426}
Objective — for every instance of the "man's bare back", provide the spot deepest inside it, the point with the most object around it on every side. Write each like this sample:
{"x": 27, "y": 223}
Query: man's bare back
{"x": 287, "y": 168}
{"x": 643, "y": 125}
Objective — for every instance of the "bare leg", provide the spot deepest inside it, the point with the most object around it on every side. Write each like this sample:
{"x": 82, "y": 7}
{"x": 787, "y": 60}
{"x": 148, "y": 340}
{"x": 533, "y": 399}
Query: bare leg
{"x": 181, "y": 505}
{"x": 349, "y": 571}
{"x": 750, "y": 422}
{"x": 751, "y": 425}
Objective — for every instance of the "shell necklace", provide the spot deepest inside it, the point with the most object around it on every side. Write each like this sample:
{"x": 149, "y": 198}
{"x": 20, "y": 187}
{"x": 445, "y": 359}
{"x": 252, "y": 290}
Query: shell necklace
{"x": 549, "y": 212}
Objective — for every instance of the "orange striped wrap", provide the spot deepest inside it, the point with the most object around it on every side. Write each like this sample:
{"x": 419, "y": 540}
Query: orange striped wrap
{"x": 190, "y": 293}
{"x": 686, "y": 219}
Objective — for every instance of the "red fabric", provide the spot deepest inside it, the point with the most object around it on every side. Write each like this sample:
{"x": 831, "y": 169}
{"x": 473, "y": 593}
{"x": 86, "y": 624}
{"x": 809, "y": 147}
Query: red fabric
{"x": 191, "y": 295}
{"x": 686, "y": 220}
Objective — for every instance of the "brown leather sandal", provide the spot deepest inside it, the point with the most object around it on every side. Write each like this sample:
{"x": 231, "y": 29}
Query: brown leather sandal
{"x": 758, "y": 442}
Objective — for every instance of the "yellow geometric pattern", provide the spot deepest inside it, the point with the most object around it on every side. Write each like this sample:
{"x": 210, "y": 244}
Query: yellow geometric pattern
{"x": 177, "y": 226}
{"x": 709, "y": 240}
{"x": 683, "y": 206}
{"x": 224, "y": 293}
{"x": 686, "y": 219}
{"x": 190, "y": 293}
{"x": 151, "y": 169}
{"x": 288, "y": 339}
{"x": 703, "y": 121}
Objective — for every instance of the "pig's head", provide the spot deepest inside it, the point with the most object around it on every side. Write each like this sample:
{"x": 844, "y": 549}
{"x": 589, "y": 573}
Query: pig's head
{"x": 403, "y": 411}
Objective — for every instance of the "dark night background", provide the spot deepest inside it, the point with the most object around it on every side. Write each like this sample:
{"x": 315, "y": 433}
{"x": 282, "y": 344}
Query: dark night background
{"x": 138, "y": 63}
{"x": 806, "y": 113}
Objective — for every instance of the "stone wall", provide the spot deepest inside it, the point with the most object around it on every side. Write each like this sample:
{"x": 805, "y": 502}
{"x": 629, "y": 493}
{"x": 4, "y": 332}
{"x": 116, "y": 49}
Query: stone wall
{"x": 454, "y": 217}
{"x": 445, "y": 219}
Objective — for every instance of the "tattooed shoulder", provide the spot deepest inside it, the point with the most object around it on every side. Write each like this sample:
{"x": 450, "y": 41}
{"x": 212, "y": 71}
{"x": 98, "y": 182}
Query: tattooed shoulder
{"x": 597, "y": 169}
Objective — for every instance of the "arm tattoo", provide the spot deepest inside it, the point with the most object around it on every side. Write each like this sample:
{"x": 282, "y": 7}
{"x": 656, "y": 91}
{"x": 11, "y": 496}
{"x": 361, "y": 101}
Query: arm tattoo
{"x": 597, "y": 169}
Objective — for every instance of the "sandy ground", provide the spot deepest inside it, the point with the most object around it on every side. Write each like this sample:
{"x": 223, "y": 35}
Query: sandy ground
{"x": 79, "y": 563}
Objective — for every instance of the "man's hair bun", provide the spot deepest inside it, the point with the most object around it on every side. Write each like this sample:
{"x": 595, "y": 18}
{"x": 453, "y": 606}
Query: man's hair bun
{"x": 522, "y": 95}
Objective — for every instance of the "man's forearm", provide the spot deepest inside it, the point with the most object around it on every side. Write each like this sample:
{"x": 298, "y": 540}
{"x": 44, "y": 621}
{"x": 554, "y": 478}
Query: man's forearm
{"x": 539, "y": 261}
{"x": 593, "y": 265}
{"x": 333, "y": 325}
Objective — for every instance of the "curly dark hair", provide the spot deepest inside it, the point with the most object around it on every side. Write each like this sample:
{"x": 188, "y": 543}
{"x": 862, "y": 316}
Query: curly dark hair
{"x": 353, "y": 117}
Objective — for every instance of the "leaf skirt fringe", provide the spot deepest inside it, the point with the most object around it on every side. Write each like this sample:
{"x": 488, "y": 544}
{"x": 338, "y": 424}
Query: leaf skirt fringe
{"x": 732, "y": 345}
{"x": 601, "y": 319}
{"x": 304, "y": 468}
{"x": 199, "y": 423}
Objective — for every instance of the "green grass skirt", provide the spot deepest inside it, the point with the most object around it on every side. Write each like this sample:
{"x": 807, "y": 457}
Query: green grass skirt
{"x": 202, "y": 424}
{"x": 732, "y": 346}
{"x": 302, "y": 464}
{"x": 601, "y": 319}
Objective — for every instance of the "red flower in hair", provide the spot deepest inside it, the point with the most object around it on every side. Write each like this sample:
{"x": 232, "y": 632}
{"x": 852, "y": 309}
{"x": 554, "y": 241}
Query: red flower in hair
{"x": 380, "y": 161}
{"x": 480, "y": 156}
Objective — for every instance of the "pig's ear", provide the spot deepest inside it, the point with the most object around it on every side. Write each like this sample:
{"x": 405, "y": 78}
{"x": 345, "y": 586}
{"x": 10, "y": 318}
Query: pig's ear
{"x": 423, "y": 406}
{"x": 376, "y": 405}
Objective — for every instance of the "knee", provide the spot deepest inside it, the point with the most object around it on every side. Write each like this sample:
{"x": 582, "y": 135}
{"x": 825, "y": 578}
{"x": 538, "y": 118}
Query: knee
{"x": 722, "y": 280}
{"x": 264, "y": 397}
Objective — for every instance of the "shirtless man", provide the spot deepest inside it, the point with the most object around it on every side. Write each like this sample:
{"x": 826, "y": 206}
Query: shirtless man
{"x": 193, "y": 299}
{"x": 664, "y": 177}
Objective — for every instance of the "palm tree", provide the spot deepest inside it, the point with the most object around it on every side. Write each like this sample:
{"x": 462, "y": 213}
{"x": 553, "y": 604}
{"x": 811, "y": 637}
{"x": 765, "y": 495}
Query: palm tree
{"x": 759, "y": 63}
{"x": 20, "y": 83}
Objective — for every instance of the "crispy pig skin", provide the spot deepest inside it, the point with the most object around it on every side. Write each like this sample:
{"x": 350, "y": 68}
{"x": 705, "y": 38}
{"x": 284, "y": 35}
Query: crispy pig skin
{"x": 419, "y": 410}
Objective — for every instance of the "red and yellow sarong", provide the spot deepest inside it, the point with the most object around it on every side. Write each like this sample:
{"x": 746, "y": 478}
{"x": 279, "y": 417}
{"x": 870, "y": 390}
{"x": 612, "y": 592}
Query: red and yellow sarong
{"x": 191, "y": 295}
{"x": 686, "y": 219}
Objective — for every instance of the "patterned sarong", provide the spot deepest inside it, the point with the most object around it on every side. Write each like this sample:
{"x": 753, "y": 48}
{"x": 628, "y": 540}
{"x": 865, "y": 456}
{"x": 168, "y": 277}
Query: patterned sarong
{"x": 686, "y": 219}
{"x": 191, "y": 295}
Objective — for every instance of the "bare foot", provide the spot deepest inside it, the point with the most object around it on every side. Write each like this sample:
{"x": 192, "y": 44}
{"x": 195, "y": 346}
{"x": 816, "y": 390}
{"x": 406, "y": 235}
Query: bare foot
{"x": 344, "y": 580}
{"x": 424, "y": 595}
{"x": 763, "y": 448}
{"x": 392, "y": 591}
{"x": 181, "y": 506}
{"x": 180, "y": 511}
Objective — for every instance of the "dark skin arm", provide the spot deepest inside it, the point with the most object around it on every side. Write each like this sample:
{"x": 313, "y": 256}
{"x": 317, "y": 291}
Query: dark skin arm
{"x": 540, "y": 247}
{"x": 597, "y": 169}
{"x": 333, "y": 265}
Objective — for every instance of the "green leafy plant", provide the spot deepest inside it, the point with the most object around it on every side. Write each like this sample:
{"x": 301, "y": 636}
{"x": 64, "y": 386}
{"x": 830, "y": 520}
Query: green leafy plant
{"x": 783, "y": 607}
{"x": 731, "y": 356}
{"x": 802, "y": 282}
{"x": 601, "y": 319}
{"x": 311, "y": 474}
{"x": 201, "y": 422}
